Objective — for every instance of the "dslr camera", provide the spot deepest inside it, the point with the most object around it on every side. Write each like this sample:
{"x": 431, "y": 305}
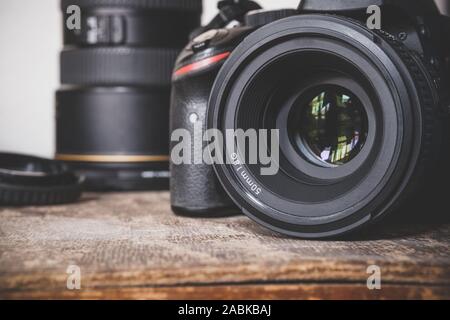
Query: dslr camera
{"x": 361, "y": 113}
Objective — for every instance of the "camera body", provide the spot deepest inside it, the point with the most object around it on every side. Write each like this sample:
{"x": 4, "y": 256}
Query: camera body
{"x": 210, "y": 69}
{"x": 195, "y": 190}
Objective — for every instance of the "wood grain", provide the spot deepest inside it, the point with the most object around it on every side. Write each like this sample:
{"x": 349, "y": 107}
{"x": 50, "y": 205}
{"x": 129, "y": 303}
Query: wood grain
{"x": 132, "y": 246}
{"x": 245, "y": 292}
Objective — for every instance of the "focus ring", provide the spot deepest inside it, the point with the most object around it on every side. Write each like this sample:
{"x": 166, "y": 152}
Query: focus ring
{"x": 117, "y": 66}
{"x": 191, "y": 5}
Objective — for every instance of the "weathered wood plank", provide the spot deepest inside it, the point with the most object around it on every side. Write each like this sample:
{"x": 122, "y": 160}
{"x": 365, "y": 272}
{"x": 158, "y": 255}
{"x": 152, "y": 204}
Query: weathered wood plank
{"x": 132, "y": 241}
{"x": 245, "y": 292}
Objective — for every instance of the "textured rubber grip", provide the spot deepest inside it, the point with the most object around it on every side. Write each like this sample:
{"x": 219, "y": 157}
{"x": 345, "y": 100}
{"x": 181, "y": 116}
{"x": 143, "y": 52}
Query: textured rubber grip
{"x": 191, "y": 5}
{"x": 117, "y": 66}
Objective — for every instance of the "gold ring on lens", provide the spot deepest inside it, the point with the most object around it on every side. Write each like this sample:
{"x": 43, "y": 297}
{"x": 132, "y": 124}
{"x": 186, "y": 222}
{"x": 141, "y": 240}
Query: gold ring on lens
{"x": 111, "y": 158}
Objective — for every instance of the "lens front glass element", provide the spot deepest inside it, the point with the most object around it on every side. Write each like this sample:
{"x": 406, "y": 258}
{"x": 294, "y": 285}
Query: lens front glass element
{"x": 332, "y": 126}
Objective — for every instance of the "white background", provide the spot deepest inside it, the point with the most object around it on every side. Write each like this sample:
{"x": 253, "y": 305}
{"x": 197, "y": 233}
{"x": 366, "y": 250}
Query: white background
{"x": 30, "y": 37}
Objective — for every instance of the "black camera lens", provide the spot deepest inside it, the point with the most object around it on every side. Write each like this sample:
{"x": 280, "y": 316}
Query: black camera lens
{"x": 113, "y": 108}
{"x": 359, "y": 134}
{"x": 329, "y": 126}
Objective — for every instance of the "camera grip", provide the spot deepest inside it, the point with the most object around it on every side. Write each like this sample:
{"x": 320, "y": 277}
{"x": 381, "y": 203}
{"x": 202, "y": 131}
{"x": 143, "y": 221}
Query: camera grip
{"x": 195, "y": 189}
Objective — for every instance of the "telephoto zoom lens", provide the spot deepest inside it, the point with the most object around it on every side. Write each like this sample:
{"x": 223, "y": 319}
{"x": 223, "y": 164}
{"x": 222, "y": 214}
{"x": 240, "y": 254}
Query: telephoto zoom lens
{"x": 113, "y": 107}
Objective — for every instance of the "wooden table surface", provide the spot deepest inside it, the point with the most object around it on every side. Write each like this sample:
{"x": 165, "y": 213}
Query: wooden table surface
{"x": 130, "y": 246}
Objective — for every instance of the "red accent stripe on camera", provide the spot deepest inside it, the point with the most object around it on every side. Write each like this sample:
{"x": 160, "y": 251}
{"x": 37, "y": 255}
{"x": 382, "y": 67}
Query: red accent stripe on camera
{"x": 201, "y": 64}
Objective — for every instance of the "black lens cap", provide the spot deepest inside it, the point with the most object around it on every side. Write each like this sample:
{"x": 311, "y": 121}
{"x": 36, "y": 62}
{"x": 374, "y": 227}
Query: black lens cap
{"x": 27, "y": 180}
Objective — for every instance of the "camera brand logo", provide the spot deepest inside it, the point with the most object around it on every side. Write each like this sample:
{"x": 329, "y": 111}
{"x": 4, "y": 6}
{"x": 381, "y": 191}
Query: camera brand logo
{"x": 260, "y": 147}
{"x": 73, "y": 21}
{"x": 74, "y": 278}
{"x": 374, "y": 280}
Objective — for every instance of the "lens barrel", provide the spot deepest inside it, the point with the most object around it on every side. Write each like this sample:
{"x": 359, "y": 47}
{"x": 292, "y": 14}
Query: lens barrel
{"x": 113, "y": 107}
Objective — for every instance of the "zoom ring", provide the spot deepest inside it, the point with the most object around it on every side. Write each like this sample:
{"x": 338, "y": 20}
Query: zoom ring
{"x": 117, "y": 66}
{"x": 191, "y": 5}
